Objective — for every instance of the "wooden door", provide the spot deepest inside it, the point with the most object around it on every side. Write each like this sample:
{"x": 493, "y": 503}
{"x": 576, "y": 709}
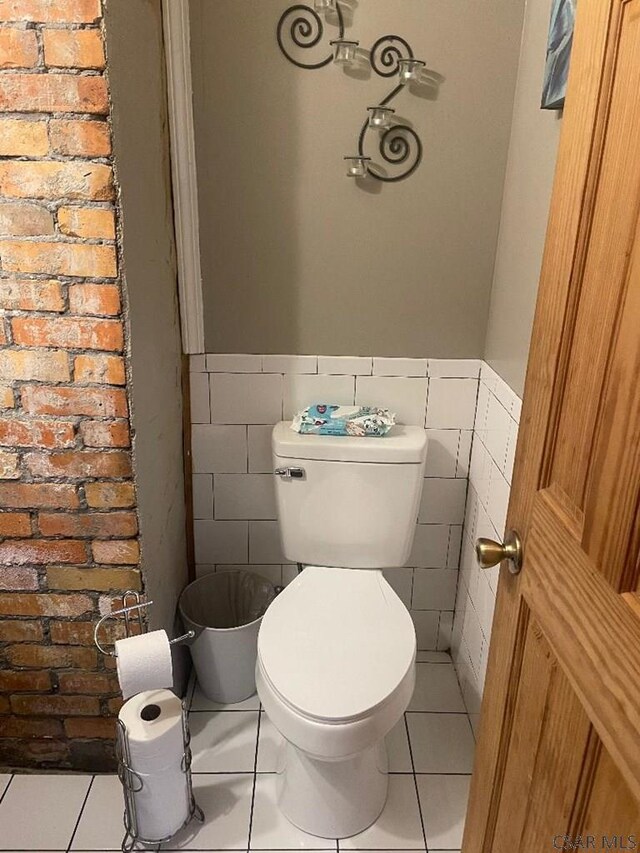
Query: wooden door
{"x": 558, "y": 758}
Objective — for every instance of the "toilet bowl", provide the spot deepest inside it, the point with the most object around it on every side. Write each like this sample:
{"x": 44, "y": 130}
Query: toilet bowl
{"x": 335, "y": 672}
{"x": 336, "y": 650}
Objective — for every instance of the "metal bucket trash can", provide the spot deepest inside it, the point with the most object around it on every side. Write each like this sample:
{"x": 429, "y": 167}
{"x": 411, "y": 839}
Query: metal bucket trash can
{"x": 225, "y": 610}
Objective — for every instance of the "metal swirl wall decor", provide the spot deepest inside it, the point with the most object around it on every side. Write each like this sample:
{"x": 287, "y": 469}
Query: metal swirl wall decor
{"x": 301, "y": 27}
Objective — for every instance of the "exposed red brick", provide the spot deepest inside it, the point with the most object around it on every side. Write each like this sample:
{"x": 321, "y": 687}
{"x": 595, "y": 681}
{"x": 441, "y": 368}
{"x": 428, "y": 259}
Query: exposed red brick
{"x": 90, "y": 222}
{"x": 25, "y": 219}
{"x": 15, "y": 524}
{"x": 53, "y": 180}
{"x": 35, "y": 495}
{"x": 51, "y": 11}
{"x": 23, "y": 138}
{"x": 20, "y": 631}
{"x": 20, "y": 552}
{"x": 19, "y": 727}
{"x": 94, "y": 299}
{"x": 110, "y": 495}
{"x": 55, "y": 400}
{"x": 53, "y": 93}
{"x": 68, "y": 332}
{"x": 40, "y": 366}
{"x": 84, "y": 727}
{"x": 73, "y": 49}
{"x": 55, "y": 258}
{"x": 103, "y": 369}
{"x": 15, "y": 432}
{"x": 18, "y": 48}
{"x": 58, "y": 706}
{"x": 9, "y": 466}
{"x": 18, "y": 577}
{"x": 90, "y": 524}
{"x": 31, "y": 295}
{"x": 97, "y": 579}
{"x": 81, "y": 633}
{"x": 87, "y": 682}
{"x": 19, "y": 682}
{"x": 74, "y": 137}
{"x": 105, "y": 433}
{"x": 79, "y": 463}
{"x": 123, "y": 553}
{"x": 7, "y": 400}
{"x": 44, "y": 604}
{"x": 31, "y": 655}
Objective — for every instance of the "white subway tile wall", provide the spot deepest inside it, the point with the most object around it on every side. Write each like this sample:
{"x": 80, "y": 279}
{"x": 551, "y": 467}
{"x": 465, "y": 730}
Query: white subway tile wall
{"x": 236, "y": 400}
{"x": 494, "y": 444}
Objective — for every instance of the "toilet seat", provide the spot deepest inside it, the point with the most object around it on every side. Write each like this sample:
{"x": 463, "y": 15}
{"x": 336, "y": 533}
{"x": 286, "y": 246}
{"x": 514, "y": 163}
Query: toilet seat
{"x": 337, "y": 645}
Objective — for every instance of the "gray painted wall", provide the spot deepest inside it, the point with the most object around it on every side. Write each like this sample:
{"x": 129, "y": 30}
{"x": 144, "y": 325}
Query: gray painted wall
{"x": 296, "y": 257}
{"x": 527, "y": 193}
{"x": 136, "y": 74}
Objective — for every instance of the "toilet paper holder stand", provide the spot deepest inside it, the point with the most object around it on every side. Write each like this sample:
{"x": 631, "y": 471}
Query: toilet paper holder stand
{"x": 132, "y": 784}
{"x": 125, "y": 611}
{"x": 131, "y": 781}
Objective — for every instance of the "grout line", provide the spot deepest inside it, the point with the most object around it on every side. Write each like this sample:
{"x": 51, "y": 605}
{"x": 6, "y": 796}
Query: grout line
{"x": 255, "y": 780}
{"x": 84, "y": 803}
{"x": 415, "y": 782}
{"x": 6, "y": 787}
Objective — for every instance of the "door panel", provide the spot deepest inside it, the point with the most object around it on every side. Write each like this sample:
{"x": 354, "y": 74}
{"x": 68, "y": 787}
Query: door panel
{"x": 559, "y": 748}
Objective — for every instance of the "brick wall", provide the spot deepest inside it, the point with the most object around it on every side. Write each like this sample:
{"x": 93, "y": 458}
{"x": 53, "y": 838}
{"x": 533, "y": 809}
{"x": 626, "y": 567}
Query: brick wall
{"x": 68, "y": 521}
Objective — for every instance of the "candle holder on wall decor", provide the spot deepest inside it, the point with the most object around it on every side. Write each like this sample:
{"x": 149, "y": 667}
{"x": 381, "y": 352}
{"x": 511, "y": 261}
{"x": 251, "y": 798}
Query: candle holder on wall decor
{"x": 302, "y": 28}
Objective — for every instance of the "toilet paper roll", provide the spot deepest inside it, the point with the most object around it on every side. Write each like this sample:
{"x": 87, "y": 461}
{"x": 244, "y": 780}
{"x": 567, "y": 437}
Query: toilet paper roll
{"x": 144, "y": 663}
{"x": 153, "y": 724}
{"x": 162, "y": 804}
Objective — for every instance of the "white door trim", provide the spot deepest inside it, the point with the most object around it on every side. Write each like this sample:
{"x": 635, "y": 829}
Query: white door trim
{"x": 184, "y": 172}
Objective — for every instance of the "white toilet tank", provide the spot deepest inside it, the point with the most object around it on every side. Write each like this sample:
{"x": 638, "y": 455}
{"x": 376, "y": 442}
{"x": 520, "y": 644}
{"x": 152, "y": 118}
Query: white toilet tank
{"x": 348, "y": 502}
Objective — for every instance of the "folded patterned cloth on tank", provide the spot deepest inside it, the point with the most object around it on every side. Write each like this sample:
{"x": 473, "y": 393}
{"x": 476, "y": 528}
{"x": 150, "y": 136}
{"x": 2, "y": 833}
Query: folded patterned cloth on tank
{"x": 325, "y": 419}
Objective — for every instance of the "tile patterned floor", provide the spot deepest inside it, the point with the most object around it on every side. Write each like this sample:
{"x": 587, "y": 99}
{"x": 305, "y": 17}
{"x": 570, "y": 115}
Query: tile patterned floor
{"x": 234, "y": 751}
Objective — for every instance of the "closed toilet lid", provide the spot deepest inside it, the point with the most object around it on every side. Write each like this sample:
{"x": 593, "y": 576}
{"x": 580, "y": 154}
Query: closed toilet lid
{"x": 336, "y": 643}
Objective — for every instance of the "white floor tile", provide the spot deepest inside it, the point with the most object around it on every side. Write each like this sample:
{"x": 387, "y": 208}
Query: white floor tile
{"x": 200, "y": 702}
{"x": 223, "y": 741}
{"x": 269, "y": 745}
{"x": 398, "y": 827}
{"x": 101, "y": 825}
{"x": 436, "y": 689}
{"x": 441, "y": 743}
{"x": 443, "y": 800}
{"x": 225, "y": 800}
{"x": 398, "y": 748}
{"x": 271, "y": 830}
{"x": 58, "y": 799}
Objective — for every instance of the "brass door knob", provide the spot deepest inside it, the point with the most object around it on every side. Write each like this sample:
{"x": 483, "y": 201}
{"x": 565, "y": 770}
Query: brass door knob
{"x": 490, "y": 553}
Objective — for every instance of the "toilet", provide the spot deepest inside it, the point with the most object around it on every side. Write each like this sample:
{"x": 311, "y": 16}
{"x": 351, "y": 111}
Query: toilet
{"x": 336, "y": 649}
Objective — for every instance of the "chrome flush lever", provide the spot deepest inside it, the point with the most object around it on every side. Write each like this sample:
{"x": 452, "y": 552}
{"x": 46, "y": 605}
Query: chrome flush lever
{"x": 290, "y": 473}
